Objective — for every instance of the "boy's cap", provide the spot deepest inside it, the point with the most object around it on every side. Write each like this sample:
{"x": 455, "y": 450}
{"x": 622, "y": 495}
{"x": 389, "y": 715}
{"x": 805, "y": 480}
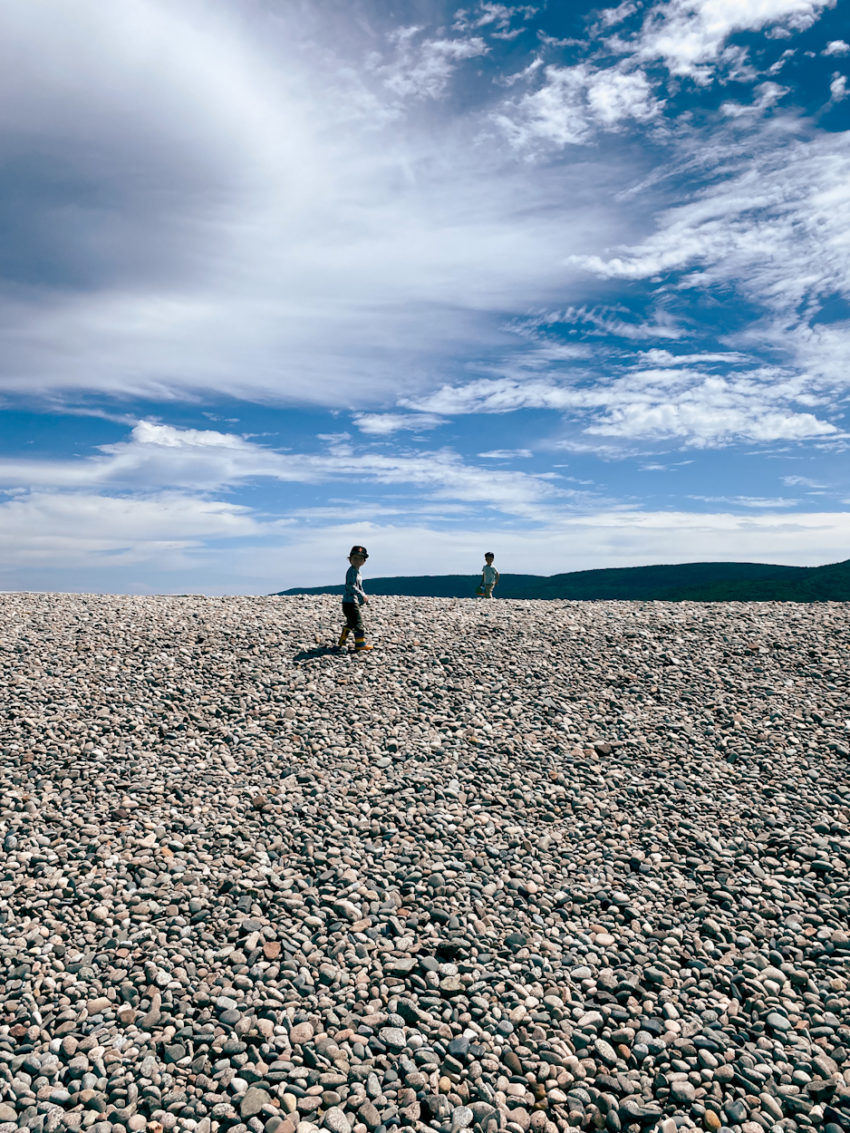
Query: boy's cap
{"x": 358, "y": 551}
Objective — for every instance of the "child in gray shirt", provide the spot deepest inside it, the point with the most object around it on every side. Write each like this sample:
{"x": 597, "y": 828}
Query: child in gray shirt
{"x": 352, "y": 599}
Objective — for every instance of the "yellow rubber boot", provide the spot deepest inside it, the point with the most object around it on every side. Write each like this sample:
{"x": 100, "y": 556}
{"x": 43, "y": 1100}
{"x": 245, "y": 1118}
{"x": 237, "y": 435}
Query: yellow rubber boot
{"x": 343, "y": 637}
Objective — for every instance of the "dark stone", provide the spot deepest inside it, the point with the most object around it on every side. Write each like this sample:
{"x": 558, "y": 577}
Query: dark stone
{"x": 636, "y": 1110}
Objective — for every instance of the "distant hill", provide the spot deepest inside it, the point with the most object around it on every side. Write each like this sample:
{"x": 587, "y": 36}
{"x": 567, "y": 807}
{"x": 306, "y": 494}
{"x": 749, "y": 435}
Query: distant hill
{"x": 682, "y": 582}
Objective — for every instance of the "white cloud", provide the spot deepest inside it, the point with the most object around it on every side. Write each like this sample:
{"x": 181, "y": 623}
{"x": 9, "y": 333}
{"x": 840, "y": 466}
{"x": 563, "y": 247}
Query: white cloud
{"x": 657, "y": 357}
{"x": 422, "y": 68}
{"x": 85, "y": 530}
{"x": 160, "y": 456}
{"x": 781, "y": 62}
{"x": 612, "y": 323}
{"x": 707, "y": 417}
{"x": 837, "y": 47}
{"x": 384, "y": 424}
{"x": 759, "y": 502}
{"x": 495, "y": 19}
{"x": 608, "y": 17}
{"x": 658, "y": 405}
{"x": 774, "y": 228}
{"x": 573, "y": 102}
{"x": 803, "y": 482}
{"x": 498, "y": 395}
{"x": 69, "y": 529}
{"x": 506, "y": 454}
{"x": 162, "y": 542}
{"x": 260, "y": 222}
{"x": 765, "y": 95}
{"x": 617, "y": 96}
{"x": 689, "y": 35}
{"x": 553, "y": 114}
{"x": 820, "y": 351}
{"x": 163, "y": 456}
{"x": 838, "y": 87}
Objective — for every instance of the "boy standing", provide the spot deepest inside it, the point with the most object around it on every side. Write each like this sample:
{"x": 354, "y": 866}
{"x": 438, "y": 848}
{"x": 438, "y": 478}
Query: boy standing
{"x": 489, "y": 575}
{"x": 352, "y": 599}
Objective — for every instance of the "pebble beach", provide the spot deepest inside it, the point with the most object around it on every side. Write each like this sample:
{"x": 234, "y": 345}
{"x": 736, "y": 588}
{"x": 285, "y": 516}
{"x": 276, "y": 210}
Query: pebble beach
{"x": 526, "y": 866}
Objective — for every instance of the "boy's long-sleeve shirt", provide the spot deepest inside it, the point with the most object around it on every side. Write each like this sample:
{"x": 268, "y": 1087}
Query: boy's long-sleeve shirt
{"x": 353, "y": 587}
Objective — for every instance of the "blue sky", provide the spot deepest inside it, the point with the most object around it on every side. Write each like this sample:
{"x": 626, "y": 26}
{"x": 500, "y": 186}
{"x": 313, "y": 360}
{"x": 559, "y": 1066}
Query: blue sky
{"x": 570, "y": 282}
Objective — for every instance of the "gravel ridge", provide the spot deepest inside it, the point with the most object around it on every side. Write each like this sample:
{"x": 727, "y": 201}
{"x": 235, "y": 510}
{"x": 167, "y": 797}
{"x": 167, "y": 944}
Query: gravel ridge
{"x": 526, "y": 866}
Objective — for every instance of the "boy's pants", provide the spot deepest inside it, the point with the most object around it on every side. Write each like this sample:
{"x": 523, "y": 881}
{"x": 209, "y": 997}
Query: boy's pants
{"x": 488, "y": 590}
{"x": 353, "y": 617}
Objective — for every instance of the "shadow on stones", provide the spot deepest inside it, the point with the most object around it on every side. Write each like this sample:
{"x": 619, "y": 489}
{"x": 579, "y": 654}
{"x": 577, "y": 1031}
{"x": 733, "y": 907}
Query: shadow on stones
{"x": 319, "y": 651}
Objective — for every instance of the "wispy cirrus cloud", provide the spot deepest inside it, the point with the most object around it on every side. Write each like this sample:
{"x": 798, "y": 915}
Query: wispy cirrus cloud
{"x": 760, "y": 503}
{"x": 256, "y": 221}
{"x": 287, "y": 238}
{"x": 689, "y": 406}
{"x": 385, "y": 424}
{"x": 609, "y": 322}
{"x": 660, "y": 357}
{"x": 764, "y": 96}
{"x": 421, "y": 67}
{"x": 773, "y": 230}
{"x": 156, "y": 456}
{"x": 797, "y": 481}
{"x": 502, "y": 21}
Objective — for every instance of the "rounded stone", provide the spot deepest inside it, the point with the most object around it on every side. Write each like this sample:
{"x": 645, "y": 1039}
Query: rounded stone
{"x": 336, "y": 1120}
{"x": 393, "y": 1038}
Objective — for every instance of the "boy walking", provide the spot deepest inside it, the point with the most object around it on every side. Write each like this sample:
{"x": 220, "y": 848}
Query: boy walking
{"x": 352, "y": 599}
{"x": 489, "y": 576}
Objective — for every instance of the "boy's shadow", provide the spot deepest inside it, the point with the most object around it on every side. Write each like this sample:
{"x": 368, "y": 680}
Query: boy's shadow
{"x": 312, "y": 654}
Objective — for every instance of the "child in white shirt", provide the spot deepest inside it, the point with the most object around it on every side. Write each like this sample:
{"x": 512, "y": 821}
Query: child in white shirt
{"x": 489, "y": 576}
